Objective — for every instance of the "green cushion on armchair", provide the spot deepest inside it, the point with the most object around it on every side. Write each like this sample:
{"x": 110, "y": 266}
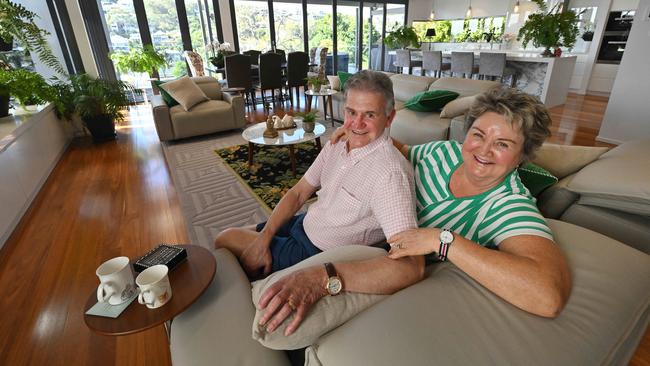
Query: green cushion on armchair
{"x": 343, "y": 77}
{"x": 429, "y": 101}
{"x": 166, "y": 97}
{"x": 535, "y": 178}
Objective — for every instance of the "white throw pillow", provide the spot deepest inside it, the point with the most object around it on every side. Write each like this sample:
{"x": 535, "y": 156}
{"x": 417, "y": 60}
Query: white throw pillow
{"x": 335, "y": 82}
{"x": 328, "y": 313}
{"x": 185, "y": 92}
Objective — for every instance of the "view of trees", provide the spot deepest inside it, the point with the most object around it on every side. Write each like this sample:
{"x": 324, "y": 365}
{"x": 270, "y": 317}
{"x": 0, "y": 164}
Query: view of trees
{"x": 462, "y": 30}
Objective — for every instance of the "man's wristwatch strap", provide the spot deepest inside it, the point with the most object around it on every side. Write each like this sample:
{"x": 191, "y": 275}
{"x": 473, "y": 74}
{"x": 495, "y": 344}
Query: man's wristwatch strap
{"x": 331, "y": 271}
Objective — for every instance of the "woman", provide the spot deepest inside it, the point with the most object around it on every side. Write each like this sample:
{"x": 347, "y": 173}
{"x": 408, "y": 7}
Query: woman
{"x": 471, "y": 201}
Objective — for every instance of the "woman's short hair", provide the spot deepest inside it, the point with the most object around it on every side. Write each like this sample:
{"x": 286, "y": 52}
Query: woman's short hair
{"x": 373, "y": 81}
{"x": 519, "y": 109}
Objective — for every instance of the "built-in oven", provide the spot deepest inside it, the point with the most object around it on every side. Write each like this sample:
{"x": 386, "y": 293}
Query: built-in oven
{"x": 615, "y": 36}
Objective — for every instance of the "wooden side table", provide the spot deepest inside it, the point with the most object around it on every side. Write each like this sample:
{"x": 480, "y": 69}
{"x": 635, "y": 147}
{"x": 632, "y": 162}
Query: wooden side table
{"x": 327, "y": 100}
{"x": 188, "y": 280}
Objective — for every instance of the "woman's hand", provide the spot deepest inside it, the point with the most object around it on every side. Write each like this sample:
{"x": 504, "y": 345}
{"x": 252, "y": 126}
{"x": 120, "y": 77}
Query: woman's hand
{"x": 413, "y": 242}
{"x": 295, "y": 292}
{"x": 336, "y": 135}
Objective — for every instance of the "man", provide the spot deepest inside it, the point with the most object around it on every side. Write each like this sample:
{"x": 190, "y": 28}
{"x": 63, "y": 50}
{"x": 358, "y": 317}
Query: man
{"x": 366, "y": 194}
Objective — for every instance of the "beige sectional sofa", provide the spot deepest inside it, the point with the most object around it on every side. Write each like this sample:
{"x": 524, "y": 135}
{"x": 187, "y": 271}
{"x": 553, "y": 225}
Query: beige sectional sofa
{"x": 411, "y": 127}
{"x": 221, "y": 112}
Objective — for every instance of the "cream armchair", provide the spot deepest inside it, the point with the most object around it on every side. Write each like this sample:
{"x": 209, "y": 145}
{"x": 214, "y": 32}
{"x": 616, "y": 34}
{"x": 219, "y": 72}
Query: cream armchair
{"x": 221, "y": 112}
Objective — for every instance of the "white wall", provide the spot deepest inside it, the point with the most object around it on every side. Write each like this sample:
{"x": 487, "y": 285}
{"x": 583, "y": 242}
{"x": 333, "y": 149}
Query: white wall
{"x": 628, "y": 112}
{"x": 226, "y": 23}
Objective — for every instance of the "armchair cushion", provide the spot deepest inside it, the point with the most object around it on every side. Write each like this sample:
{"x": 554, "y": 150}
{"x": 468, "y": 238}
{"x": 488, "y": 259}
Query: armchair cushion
{"x": 185, "y": 91}
{"x": 328, "y": 313}
{"x": 335, "y": 82}
{"x": 429, "y": 101}
{"x": 457, "y": 107}
{"x": 563, "y": 160}
{"x": 343, "y": 77}
{"x": 536, "y": 178}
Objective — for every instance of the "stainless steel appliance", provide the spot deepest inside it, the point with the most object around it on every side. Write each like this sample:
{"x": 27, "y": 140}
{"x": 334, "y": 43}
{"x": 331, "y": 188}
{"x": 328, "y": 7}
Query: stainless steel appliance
{"x": 615, "y": 36}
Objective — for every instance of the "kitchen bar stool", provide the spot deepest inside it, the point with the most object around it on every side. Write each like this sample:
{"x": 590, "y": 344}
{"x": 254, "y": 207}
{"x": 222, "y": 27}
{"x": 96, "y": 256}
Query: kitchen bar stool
{"x": 404, "y": 60}
{"x": 493, "y": 65}
{"x": 432, "y": 61}
{"x": 463, "y": 62}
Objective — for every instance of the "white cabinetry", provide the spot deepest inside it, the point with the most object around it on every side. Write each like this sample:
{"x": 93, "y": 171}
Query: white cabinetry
{"x": 602, "y": 78}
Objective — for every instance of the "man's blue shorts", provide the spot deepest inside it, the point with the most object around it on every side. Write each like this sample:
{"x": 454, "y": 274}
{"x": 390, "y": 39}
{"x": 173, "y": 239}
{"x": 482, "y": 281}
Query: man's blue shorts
{"x": 290, "y": 244}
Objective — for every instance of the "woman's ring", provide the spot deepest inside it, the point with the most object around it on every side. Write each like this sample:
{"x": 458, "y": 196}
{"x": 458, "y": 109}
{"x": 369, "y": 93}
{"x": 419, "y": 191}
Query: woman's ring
{"x": 292, "y": 306}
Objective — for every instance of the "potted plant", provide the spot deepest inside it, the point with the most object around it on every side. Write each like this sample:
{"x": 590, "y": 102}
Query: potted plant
{"x": 139, "y": 60}
{"x": 308, "y": 120}
{"x": 550, "y": 28}
{"x": 27, "y": 87}
{"x": 17, "y": 24}
{"x": 402, "y": 37}
{"x": 98, "y": 102}
{"x": 315, "y": 83}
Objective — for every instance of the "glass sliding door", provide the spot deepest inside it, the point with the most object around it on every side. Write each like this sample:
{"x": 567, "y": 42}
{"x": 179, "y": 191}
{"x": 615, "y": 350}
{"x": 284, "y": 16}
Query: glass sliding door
{"x": 200, "y": 31}
{"x": 122, "y": 32}
{"x": 253, "y": 25}
{"x": 288, "y": 25}
{"x": 166, "y": 35}
{"x": 373, "y": 23}
{"x": 347, "y": 34}
{"x": 319, "y": 20}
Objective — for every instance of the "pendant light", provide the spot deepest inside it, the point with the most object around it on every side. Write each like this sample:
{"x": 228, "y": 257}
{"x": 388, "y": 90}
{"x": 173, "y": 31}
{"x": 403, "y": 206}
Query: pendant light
{"x": 468, "y": 14}
{"x": 516, "y": 10}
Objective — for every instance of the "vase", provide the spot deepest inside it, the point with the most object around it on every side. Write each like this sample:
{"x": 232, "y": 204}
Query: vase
{"x": 101, "y": 127}
{"x": 308, "y": 126}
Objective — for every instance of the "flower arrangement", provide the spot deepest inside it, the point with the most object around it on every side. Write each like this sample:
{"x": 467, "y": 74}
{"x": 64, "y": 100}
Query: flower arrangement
{"x": 218, "y": 51}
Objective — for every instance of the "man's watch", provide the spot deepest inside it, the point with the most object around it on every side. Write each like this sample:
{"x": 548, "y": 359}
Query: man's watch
{"x": 333, "y": 284}
{"x": 446, "y": 238}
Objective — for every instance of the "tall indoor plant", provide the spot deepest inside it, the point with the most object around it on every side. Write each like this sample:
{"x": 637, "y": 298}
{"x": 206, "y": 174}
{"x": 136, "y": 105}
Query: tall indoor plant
{"x": 550, "y": 28}
{"x": 17, "y": 24}
{"x": 402, "y": 37}
{"x": 27, "y": 87}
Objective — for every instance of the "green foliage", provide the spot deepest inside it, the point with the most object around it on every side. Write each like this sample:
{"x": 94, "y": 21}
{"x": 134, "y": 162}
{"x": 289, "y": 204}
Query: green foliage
{"x": 17, "y": 23}
{"x": 91, "y": 97}
{"x": 308, "y": 116}
{"x": 179, "y": 69}
{"x": 139, "y": 60}
{"x": 549, "y": 28}
{"x": 315, "y": 82}
{"x": 27, "y": 87}
{"x": 402, "y": 37}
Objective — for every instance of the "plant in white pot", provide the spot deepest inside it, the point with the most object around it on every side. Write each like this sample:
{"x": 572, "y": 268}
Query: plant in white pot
{"x": 308, "y": 120}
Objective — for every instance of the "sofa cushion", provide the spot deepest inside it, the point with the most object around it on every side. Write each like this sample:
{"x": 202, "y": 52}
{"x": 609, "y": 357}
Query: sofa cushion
{"x": 450, "y": 319}
{"x": 414, "y": 128}
{"x": 209, "y": 85}
{"x": 457, "y": 107}
{"x": 617, "y": 180}
{"x": 464, "y": 87}
{"x": 166, "y": 97}
{"x": 185, "y": 92}
{"x": 405, "y": 86}
{"x": 563, "y": 160}
{"x": 209, "y": 116}
{"x": 431, "y": 100}
{"x": 535, "y": 178}
{"x": 328, "y": 313}
{"x": 215, "y": 329}
{"x": 335, "y": 82}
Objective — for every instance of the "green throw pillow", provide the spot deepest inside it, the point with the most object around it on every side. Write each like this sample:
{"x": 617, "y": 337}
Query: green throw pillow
{"x": 535, "y": 178}
{"x": 166, "y": 97}
{"x": 431, "y": 100}
{"x": 343, "y": 77}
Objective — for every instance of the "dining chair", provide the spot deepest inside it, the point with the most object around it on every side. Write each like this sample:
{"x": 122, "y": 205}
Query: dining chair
{"x": 297, "y": 68}
{"x": 238, "y": 75}
{"x": 255, "y": 56}
{"x": 270, "y": 75}
{"x": 404, "y": 60}
{"x": 493, "y": 65}
{"x": 195, "y": 62}
{"x": 463, "y": 63}
{"x": 432, "y": 61}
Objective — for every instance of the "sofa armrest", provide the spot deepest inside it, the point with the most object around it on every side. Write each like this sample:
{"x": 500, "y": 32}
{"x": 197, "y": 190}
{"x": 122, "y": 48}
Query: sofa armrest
{"x": 237, "y": 102}
{"x": 162, "y": 119}
{"x": 554, "y": 200}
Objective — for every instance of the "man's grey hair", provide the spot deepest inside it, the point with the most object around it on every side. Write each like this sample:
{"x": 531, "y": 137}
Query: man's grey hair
{"x": 372, "y": 81}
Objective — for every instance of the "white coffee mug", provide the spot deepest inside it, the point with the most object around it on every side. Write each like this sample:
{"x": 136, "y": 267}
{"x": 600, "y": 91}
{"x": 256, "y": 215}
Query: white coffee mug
{"x": 155, "y": 289}
{"x": 116, "y": 281}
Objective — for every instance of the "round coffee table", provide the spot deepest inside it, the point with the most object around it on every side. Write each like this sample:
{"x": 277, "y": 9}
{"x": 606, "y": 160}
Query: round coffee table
{"x": 327, "y": 99}
{"x": 255, "y": 135}
{"x": 189, "y": 279}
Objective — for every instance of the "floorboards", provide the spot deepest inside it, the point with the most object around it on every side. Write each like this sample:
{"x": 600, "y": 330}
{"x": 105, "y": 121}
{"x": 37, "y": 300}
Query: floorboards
{"x": 117, "y": 198}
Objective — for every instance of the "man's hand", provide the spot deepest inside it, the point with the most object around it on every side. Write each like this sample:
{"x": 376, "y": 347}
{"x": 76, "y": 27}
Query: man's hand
{"x": 337, "y": 134}
{"x": 413, "y": 242}
{"x": 257, "y": 258}
{"x": 295, "y": 292}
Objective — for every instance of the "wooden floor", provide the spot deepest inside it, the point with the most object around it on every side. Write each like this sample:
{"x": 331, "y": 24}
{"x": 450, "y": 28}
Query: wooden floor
{"x": 117, "y": 198}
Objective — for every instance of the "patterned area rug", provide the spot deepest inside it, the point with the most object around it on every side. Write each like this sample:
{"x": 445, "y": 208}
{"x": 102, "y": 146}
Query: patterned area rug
{"x": 212, "y": 196}
{"x": 270, "y": 175}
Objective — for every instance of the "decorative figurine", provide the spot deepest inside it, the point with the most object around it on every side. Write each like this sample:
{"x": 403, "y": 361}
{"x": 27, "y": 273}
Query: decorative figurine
{"x": 270, "y": 131}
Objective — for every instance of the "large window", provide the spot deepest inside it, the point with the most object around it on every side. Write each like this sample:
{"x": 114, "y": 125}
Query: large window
{"x": 288, "y": 26}
{"x": 372, "y": 39}
{"x": 165, "y": 35}
{"x": 253, "y": 25}
{"x": 200, "y": 30}
{"x": 462, "y": 30}
{"x": 347, "y": 24}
